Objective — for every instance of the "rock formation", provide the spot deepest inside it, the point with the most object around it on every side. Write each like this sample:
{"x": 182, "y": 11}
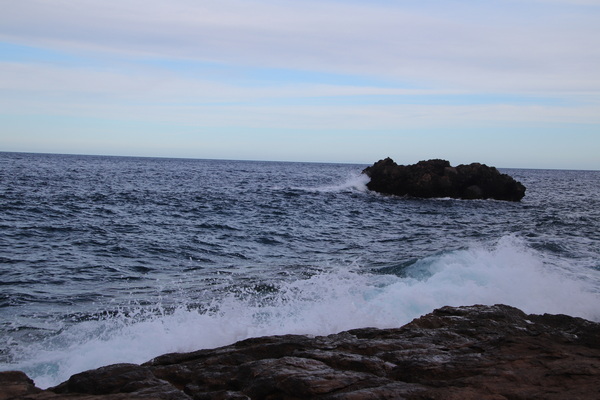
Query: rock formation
{"x": 436, "y": 178}
{"x": 476, "y": 352}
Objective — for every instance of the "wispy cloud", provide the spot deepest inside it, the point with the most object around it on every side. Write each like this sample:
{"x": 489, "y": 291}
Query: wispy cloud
{"x": 476, "y": 47}
{"x": 281, "y": 64}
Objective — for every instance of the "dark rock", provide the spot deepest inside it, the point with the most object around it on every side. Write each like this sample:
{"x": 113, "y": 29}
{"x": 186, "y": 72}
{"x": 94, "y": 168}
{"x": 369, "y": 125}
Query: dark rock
{"x": 477, "y": 352}
{"x": 119, "y": 378}
{"x": 436, "y": 178}
{"x": 15, "y": 384}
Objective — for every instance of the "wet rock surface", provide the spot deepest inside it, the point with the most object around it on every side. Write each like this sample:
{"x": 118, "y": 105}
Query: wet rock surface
{"x": 436, "y": 178}
{"x": 15, "y": 383}
{"x": 476, "y": 352}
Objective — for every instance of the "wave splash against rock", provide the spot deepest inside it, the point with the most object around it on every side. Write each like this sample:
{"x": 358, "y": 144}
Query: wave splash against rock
{"x": 476, "y": 352}
{"x": 436, "y": 178}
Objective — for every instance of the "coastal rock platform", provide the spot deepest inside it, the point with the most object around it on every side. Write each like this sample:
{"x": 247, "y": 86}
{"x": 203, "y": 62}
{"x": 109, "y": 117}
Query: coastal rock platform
{"x": 436, "y": 178}
{"x": 476, "y": 352}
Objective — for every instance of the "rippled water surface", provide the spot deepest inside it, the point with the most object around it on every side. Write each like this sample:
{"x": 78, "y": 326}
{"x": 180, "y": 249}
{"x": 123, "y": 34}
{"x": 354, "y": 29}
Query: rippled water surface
{"x": 102, "y": 256}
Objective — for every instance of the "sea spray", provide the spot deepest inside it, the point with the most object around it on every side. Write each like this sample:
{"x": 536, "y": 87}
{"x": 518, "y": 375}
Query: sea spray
{"x": 508, "y": 273}
{"x": 116, "y": 259}
{"x": 324, "y": 303}
{"x": 352, "y": 182}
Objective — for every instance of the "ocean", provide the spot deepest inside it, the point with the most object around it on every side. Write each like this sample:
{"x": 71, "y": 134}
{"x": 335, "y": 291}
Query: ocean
{"x": 106, "y": 260}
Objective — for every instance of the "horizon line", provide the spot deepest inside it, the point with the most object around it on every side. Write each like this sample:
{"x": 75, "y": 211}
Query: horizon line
{"x": 262, "y": 160}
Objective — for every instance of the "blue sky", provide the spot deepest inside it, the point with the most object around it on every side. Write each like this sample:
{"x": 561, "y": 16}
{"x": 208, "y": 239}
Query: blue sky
{"x": 507, "y": 83}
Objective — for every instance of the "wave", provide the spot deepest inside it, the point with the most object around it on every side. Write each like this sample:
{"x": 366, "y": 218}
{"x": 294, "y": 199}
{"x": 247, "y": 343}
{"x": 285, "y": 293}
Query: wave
{"x": 352, "y": 183}
{"x": 328, "y": 302}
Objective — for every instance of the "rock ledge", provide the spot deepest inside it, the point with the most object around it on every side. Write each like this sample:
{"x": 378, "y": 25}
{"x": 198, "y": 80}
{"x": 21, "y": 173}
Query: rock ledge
{"x": 476, "y": 352}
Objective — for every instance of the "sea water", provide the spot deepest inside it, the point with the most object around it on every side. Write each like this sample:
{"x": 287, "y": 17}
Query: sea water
{"x": 113, "y": 259}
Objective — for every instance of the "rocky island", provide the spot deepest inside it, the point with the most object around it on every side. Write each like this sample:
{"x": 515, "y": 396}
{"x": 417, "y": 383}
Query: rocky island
{"x": 436, "y": 178}
{"x": 476, "y": 352}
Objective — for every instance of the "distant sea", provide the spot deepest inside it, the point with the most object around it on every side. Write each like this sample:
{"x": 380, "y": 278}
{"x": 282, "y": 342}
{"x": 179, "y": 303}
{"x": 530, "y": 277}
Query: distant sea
{"x": 115, "y": 259}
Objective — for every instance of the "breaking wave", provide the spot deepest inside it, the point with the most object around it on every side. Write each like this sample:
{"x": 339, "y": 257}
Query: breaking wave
{"x": 506, "y": 272}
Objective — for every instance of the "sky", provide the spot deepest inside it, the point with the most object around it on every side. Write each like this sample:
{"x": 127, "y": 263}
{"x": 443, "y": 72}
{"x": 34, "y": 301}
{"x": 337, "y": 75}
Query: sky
{"x": 506, "y": 83}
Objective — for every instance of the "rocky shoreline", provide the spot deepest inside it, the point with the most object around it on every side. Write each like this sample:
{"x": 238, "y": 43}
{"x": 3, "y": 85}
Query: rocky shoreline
{"x": 475, "y": 352}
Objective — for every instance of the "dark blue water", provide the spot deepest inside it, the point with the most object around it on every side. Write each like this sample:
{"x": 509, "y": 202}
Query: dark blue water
{"x": 115, "y": 259}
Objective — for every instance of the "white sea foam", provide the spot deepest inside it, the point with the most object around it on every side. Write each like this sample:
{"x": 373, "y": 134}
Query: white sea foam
{"x": 508, "y": 273}
{"x": 353, "y": 182}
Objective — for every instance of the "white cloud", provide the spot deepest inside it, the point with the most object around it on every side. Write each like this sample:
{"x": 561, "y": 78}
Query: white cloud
{"x": 156, "y": 86}
{"x": 154, "y": 64}
{"x": 473, "y": 47}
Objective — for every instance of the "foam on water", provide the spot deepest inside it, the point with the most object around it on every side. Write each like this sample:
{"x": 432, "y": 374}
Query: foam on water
{"x": 507, "y": 272}
{"x": 353, "y": 182}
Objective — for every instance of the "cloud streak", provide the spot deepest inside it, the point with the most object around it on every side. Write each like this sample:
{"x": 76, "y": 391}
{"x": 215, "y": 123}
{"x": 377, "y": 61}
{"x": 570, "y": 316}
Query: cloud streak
{"x": 473, "y": 50}
{"x": 308, "y": 65}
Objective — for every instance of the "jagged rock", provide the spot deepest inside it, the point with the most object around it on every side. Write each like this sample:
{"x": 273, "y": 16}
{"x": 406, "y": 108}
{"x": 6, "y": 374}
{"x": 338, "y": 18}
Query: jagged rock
{"x": 476, "y": 352}
{"x": 436, "y": 178}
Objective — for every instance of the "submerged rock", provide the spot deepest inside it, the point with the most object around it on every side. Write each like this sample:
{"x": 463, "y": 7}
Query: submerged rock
{"x": 436, "y": 178}
{"x": 477, "y": 352}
